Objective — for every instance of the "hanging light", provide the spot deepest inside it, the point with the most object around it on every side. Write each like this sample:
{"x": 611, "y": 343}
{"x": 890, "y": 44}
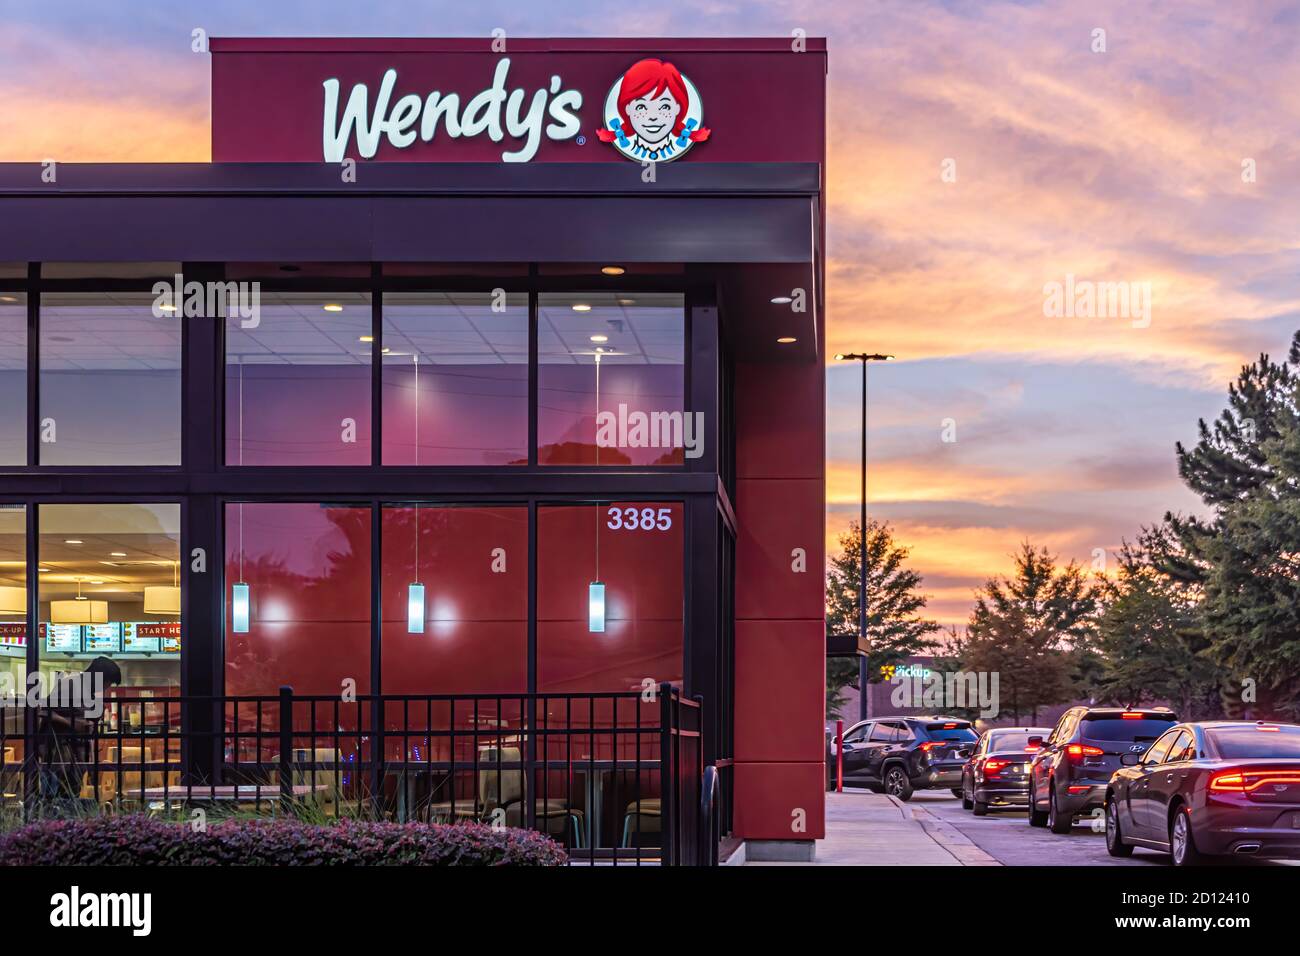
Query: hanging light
{"x": 80, "y": 611}
{"x": 415, "y": 608}
{"x": 164, "y": 599}
{"x": 415, "y": 590}
{"x": 596, "y": 607}
{"x": 13, "y": 600}
{"x": 239, "y": 607}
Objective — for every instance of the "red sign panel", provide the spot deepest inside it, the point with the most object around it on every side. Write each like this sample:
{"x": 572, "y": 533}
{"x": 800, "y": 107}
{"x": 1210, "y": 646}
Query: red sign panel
{"x": 518, "y": 101}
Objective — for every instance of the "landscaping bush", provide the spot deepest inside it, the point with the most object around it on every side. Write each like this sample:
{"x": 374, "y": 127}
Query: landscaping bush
{"x": 142, "y": 841}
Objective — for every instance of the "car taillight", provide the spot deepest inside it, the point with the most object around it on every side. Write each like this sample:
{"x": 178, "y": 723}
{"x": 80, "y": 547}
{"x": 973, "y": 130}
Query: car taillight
{"x": 1132, "y": 715}
{"x": 1077, "y": 751}
{"x": 1033, "y": 749}
{"x": 1248, "y": 781}
{"x": 931, "y": 744}
{"x": 993, "y": 766}
{"x": 1268, "y": 729}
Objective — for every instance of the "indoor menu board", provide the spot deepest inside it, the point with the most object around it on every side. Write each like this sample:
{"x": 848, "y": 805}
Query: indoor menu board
{"x": 168, "y": 634}
{"x": 13, "y": 635}
{"x": 62, "y": 638}
{"x": 137, "y": 639}
{"x": 103, "y": 638}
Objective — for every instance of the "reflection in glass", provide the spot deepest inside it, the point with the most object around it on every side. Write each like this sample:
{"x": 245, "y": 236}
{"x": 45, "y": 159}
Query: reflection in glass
{"x": 13, "y": 378}
{"x": 110, "y": 380}
{"x": 13, "y": 597}
{"x": 298, "y": 383}
{"x": 455, "y": 379}
{"x": 605, "y": 360}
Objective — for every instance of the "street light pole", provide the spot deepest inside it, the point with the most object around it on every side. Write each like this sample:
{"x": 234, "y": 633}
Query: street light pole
{"x": 864, "y": 696}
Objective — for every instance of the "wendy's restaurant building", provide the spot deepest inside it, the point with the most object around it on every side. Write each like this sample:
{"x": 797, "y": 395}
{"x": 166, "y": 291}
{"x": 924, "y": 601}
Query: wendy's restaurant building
{"x": 449, "y": 447}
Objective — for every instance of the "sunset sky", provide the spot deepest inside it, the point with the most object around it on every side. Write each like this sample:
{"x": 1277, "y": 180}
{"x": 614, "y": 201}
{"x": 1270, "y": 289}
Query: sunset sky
{"x": 1122, "y": 166}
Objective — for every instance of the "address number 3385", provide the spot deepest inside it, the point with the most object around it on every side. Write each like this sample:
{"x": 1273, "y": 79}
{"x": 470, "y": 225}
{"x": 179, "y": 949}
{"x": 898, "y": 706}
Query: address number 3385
{"x": 639, "y": 519}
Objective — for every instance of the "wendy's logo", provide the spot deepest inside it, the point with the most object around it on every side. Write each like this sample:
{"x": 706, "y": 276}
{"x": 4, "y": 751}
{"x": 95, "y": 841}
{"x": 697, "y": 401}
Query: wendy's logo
{"x": 653, "y": 113}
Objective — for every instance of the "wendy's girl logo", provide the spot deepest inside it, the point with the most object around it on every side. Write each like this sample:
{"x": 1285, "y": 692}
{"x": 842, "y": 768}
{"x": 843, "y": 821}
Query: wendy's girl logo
{"x": 653, "y": 113}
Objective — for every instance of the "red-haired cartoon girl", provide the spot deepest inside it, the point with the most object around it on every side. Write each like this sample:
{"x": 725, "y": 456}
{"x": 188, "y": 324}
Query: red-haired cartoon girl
{"x": 653, "y": 113}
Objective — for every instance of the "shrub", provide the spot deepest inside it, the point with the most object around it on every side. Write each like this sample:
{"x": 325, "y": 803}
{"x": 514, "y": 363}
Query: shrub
{"x": 143, "y": 841}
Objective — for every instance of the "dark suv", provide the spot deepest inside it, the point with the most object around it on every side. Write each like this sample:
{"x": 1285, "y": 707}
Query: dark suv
{"x": 897, "y": 755}
{"x": 1068, "y": 778}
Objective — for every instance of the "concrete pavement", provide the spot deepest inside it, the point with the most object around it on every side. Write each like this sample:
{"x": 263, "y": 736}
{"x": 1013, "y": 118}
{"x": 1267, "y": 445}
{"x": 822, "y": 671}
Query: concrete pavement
{"x": 870, "y": 829}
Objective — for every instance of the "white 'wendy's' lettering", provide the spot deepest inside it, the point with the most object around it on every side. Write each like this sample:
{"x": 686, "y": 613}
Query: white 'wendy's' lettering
{"x": 412, "y": 115}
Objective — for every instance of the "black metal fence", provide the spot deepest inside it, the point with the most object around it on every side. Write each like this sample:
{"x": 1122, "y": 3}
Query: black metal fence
{"x": 616, "y": 778}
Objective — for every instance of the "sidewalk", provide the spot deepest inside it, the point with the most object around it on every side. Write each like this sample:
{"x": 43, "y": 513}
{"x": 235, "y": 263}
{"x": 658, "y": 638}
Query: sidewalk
{"x": 870, "y": 829}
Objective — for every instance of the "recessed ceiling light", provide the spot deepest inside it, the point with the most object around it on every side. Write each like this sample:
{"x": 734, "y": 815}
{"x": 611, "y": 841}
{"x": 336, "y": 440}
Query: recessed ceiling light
{"x": 96, "y": 582}
{"x": 8, "y": 298}
{"x": 627, "y": 301}
{"x": 581, "y": 307}
{"x": 117, "y": 554}
{"x": 332, "y": 307}
{"x": 787, "y": 339}
{"x": 43, "y": 570}
{"x": 167, "y": 308}
{"x": 600, "y": 338}
{"x": 782, "y": 300}
{"x": 366, "y": 338}
{"x": 72, "y": 541}
{"x": 613, "y": 270}
{"x": 385, "y": 351}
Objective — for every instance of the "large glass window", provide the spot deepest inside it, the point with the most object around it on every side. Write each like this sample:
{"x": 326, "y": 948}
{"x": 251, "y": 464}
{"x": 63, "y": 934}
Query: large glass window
{"x": 628, "y": 630}
{"x": 611, "y": 380}
{"x": 297, "y": 593}
{"x": 13, "y": 378}
{"x": 455, "y": 379}
{"x": 110, "y": 380}
{"x": 298, "y": 382}
{"x": 13, "y": 596}
{"x": 455, "y": 599}
{"x": 110, "y": 587}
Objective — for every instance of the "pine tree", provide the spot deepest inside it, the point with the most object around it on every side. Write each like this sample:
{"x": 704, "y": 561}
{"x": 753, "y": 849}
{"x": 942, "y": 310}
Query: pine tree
{"x": 895, "y": 628}
{"x": 1031, "y": 628}
{"x": 1246, "y": 557}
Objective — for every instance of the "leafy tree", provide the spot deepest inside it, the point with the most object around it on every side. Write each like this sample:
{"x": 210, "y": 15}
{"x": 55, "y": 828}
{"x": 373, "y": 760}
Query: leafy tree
{"x": 1245, "y": 558}
{"x": 1148, "y": 636}
{"x": 895, "y": 628}
{"x": 1030, "y": 628}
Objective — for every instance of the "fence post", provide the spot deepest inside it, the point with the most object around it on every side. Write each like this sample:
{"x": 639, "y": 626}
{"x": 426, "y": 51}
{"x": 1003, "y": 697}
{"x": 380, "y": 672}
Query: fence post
{"x": 667, "y": 778}
{"x": 286, "y": 747}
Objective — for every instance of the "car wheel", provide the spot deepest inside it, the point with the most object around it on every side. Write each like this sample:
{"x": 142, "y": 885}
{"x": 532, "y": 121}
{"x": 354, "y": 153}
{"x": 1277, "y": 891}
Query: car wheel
{"x": 981, "y": 808}
{"x": 897, "y": 784}
{"x": 957, "y": 791}
{"x": 1115, "y": 844}
{"x": 1056, "y": 822}
{"x": 966, "y": 802}
{"x": 1036, "y": 817}
{"x": 1182, "y": 844}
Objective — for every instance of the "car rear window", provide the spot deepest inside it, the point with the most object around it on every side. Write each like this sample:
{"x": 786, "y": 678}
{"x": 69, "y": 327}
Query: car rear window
{"x": 1236, "y": 743}
{"x": 1117, "y": 728}
{"x": 950, "y": 731}
{"x": 1013, "y": 740}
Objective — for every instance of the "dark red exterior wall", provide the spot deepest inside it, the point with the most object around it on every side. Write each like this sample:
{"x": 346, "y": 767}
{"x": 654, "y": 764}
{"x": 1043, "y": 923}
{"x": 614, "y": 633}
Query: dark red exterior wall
{"x": 764, "y": 102}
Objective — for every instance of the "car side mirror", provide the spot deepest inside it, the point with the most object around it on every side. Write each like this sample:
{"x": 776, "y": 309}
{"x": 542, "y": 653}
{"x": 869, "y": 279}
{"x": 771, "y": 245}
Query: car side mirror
{"x": 1130, "y": 760}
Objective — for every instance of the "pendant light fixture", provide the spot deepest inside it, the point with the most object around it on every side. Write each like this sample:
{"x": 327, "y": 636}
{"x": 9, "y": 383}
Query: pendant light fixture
{"x": 239, "y": 597}
{"x": 160, "y": 599}
{"x": 596, "y": 589}
{"x": 415, "y": 590}
{"x": 80, "y": 611}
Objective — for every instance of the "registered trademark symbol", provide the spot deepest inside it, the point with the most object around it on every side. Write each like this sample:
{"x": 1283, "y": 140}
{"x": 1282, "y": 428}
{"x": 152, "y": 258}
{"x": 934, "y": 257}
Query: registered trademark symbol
{"x": 582, "y": 141}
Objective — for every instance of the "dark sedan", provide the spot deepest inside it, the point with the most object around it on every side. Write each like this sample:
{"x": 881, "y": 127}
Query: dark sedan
{"x": 996, "y": 775}
{"x": 1209, "y": 789}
